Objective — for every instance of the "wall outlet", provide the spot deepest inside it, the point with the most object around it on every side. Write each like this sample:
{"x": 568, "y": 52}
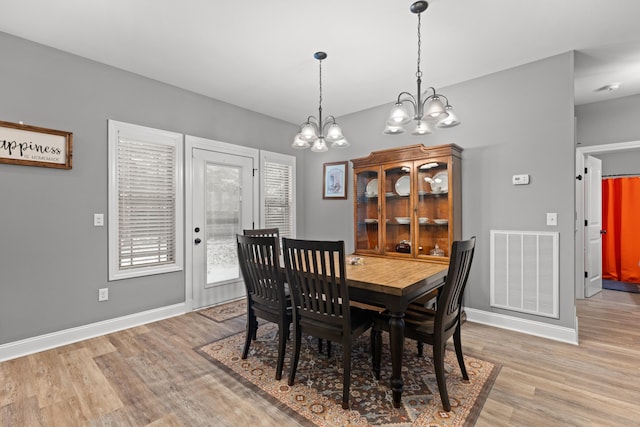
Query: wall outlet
{"x": 552, "y": 218}
{"x": 98, "y": 220}
{"x": 103, "y": 294}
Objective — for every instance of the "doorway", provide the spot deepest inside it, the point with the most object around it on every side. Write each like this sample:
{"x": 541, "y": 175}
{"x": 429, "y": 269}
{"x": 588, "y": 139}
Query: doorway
{"x": 582, "y": 249}
{"x": 221, "y": 201}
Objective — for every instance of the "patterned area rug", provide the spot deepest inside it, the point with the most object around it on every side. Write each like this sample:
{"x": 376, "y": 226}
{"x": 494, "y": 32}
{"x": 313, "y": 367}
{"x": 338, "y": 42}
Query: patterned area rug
{"x": 315, "y": 397}
{"x": 226, "y": 311}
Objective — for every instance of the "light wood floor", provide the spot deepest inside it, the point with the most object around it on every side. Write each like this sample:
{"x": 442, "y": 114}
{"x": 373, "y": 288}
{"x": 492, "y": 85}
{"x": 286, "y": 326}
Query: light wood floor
{"x": 150, "y": 376}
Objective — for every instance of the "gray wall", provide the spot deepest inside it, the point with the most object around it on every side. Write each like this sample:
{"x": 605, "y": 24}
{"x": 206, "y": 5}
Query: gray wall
{"x": 519, "y": 121}
{"x": 52, "y": 259}
{"x": 620, "y": 163}
{"x": 607, "y": 122}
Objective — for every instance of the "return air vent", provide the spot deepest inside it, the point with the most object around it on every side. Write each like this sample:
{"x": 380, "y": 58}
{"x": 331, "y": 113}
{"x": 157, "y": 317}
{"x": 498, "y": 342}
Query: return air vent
{"x": 524, "y": 272}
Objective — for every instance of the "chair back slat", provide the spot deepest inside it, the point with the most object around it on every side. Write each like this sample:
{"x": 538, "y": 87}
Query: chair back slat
{"x": 264, "y": 232}
{"x": 450, "y": 299}
{"x": 316, "y": 276}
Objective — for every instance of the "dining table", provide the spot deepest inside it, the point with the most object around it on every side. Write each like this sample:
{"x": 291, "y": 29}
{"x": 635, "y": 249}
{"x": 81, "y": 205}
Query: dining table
{"x": 393, "y": 283}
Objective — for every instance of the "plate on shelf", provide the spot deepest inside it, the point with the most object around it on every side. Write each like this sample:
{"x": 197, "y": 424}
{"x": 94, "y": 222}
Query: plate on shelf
{"x": 440, "y": 183}
{"x": 370, "y": 221}
{"x": 441, "y": 221}
{"x": 372, "y": 188}
{"x": 390, "y": 194}
{"x": 403, "y": 185}
{"x": 403, "y": 219}
{"x": 423, "y": 220}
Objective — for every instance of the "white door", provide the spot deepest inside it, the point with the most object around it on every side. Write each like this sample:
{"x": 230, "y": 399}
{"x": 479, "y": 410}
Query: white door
{"x": 222, "y": 206}
{"x": 593, "y": 222}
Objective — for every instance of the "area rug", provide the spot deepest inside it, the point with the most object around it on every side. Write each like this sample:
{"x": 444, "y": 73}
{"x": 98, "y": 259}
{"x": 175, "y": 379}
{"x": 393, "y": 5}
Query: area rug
{"x": 226, "y": 311}
{"x": 315, "y": 398}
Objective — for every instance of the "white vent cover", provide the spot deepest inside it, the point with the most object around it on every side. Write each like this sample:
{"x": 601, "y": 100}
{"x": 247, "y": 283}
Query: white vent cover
{"x": 524, "y": 272}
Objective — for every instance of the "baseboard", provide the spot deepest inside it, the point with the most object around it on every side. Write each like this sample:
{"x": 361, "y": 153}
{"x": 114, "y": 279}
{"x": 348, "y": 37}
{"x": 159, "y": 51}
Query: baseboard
{"x": 539, "y": 329}
{"x": 27, "y": 346}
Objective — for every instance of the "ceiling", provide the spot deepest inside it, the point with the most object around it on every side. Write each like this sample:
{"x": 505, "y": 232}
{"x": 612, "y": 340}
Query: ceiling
{"x": 258, "y": 54}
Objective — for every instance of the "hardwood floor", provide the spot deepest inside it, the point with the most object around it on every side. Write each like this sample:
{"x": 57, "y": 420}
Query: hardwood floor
{"x": 150, "y": 376}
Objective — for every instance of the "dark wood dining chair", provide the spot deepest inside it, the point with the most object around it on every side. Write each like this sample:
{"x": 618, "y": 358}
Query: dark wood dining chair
{"x": 264, "y": 232}
{"x": 436, "y": 327}
{"x": 259, "y": 259}
{"x": 317, "y": 279}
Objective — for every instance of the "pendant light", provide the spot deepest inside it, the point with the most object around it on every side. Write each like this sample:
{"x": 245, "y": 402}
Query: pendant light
{"x": 312, "y": 132}
{"x": 429, "y": 108}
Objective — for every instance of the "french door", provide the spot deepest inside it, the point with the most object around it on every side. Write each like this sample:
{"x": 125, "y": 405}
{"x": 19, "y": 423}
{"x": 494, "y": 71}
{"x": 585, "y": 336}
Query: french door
{"x": 223, "y": 198}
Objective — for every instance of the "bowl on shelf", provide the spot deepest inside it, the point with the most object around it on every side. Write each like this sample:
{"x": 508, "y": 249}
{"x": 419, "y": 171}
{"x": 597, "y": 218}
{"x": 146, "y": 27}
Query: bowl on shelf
{"x": 441, "y": 221}
{"x": 423, "y": 220}
{"x": 370, "y": 220}
{"x": 403, "y": 219}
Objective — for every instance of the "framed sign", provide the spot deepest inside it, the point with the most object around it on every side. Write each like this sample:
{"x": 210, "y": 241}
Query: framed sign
{"x": 35, "y": 146}
{"x": 334, "y": 182}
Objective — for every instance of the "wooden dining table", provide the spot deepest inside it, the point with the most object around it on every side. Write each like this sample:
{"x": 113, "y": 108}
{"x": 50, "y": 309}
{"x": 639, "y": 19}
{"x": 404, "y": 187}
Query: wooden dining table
{"x": 393, "y": 283}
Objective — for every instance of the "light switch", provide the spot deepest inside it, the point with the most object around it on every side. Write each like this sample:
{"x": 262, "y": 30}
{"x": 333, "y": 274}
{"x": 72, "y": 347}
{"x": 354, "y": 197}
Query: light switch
{"x": 552, "y": 218}
{"x": 98, "y": 220}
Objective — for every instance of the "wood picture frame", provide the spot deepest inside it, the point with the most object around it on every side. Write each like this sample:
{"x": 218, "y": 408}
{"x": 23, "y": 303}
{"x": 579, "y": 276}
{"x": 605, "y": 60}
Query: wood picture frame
{"x": 334, "y": 181}
{"x": 35, "y": 146}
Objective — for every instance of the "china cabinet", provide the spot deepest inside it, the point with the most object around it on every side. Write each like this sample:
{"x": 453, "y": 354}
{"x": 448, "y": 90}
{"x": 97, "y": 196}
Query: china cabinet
{"x": 408, "y": 202}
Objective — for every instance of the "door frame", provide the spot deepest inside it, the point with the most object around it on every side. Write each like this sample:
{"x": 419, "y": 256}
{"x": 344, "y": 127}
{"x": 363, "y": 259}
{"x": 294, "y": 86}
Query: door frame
{"x": 192, "y": 142}
{"x": 581, "y": 153}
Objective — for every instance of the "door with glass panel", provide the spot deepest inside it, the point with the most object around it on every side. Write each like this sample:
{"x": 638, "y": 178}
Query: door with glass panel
{"x": 223, "y": 194}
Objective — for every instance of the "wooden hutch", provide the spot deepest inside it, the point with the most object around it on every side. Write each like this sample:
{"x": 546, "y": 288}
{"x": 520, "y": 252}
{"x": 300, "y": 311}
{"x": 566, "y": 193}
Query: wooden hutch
{"x": 408, "y": 202}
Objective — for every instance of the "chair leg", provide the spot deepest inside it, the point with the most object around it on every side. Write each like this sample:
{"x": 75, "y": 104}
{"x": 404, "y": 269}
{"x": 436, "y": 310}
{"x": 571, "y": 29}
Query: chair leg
{"x": 297, "y": 337}
{"x": 328, "y": 349}
{"x": 251, "y": 332}
{"x": 376, "y": 351}
{"x": 420, "y": 345}
{"x": 458, "y": 345}
{"x": 438, "y": 365}
{"x": 282, "y": 344}
{"x": 346, "y": 368}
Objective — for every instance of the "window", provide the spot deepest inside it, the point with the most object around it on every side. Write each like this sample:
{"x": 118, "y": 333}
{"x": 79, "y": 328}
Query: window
{"x": 277, "y": 190}
{"x": 145, "y": 201}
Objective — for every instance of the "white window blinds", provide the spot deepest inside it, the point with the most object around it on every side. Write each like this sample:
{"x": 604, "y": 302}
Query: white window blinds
{"x": 278, "y": 201}
{"x": 145, "y": 201}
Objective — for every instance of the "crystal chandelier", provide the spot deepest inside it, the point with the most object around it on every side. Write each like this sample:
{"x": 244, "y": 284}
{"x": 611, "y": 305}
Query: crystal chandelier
{"x": 429, "y": 108}
{"x": 313, "y": 130}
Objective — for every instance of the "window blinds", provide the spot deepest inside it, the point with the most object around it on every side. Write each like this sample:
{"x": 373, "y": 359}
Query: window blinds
{"x": 278, "y": 197}
{"x": 146, "y": 204}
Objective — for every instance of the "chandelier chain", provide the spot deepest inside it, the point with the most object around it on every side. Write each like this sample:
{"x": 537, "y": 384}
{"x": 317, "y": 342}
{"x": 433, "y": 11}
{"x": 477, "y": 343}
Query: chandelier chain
{"x": 419, "y": 73}
{"x": 320, "y": 103}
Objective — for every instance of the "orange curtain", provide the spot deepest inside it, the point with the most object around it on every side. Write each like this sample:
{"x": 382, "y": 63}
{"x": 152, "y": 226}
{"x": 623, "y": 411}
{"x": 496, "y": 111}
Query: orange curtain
{"x": 621, "y": 220}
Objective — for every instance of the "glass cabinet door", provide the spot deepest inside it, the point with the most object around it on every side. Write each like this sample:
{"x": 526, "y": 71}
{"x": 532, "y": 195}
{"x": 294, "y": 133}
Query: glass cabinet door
{"x": 367, "y": 212}
{"x": 433, "y": 208}
{"x": 398, "y": 218}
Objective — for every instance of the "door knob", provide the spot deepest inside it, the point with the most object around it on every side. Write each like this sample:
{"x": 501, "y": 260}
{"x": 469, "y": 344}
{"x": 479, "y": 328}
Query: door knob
{"x": 197, "y": 241}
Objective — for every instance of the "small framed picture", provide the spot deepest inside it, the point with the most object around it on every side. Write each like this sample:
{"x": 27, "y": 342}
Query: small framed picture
{"x": 334, "y": 182}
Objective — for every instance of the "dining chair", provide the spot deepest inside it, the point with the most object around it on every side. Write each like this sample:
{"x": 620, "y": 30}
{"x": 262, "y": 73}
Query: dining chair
{"x": 263, "y": 232}
{"x": 259, "y": 260}
{"x": 317, "y": 279}
{"x": 436, "y": 327}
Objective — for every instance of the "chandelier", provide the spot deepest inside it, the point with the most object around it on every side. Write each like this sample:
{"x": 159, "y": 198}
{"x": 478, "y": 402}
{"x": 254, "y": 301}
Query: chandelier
{"x": 313, "y": 130}
{"x": 429, "y": 108}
